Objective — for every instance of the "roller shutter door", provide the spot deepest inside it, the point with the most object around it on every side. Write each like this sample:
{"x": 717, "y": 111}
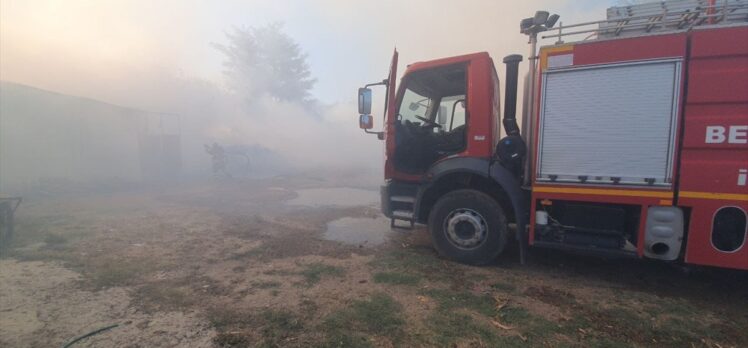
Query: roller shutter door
{"x": 609, "y": 123}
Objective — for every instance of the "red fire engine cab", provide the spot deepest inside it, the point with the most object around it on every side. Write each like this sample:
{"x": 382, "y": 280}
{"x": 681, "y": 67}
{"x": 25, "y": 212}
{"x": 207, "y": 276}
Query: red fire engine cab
{"x": 633, "y": 141}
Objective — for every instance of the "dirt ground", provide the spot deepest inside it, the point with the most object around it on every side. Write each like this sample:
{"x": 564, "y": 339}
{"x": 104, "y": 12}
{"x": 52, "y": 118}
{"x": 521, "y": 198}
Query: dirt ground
{"x": 233, "y": 264}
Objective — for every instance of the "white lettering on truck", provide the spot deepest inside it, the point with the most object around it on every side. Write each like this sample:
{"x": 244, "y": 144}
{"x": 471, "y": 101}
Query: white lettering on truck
{"x": 742, "y": 176}
{"x": 730, "y": 134}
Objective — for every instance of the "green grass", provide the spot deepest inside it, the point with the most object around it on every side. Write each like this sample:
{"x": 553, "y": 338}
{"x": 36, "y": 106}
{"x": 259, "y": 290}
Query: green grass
{"x": 514, "y": 315}
{"x": 396, "y": 278}
{"x": 55, "y": 239}
{"x": 98, "y": 272}
{"x": 308, "y": 307}
{"x": 29, "y": 230}
{"x": 672, "y": 307}
{"x": 619, "y": 325}
{"x": 235, "y": 326}
{"x": 232, "y": 339}
{"x": 636, "y": 319}
{"x": 68, "y": 258}
{"x": 278, "y": 272}
{"x": 677, "y": 330}
{"x": 504, "y": 287}
{"x": 113, "y": 274}
{"x": 313, "y": 273}
{"x": 59, "y": 233}
{"x": 450, "y": 300}
{"x": 265, "y": 284}
{"x": 449, "y": 328}
{"x": 339, "y": 339}
{"x": 279, "y": 325}
{"x": 537, "y": 330}
{"x": 451, "y": 321}
{"x": 53, "y": 230}
{"x": 380, "y": 315}
{"x": 117, "y": 272}
{"x": 227, "y": 318}
{"x": 248, "y": 254}
{"x": 425, "y": 265}
{"x": 409, "y": 261}
{"x": 164, "y": 296}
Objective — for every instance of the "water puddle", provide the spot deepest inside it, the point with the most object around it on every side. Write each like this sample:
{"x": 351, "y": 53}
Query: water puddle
{"x": 336, "y": 196}
{"x": 359, "y": 231}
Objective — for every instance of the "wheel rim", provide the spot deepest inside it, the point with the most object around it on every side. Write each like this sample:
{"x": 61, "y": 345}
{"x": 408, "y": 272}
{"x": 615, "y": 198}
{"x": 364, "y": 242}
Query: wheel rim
{"x": 465, "y": 228}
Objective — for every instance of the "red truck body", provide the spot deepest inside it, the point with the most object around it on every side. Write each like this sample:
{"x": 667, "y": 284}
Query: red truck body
{"x": 635, "y": 145}
{"x": 714, "y": 90}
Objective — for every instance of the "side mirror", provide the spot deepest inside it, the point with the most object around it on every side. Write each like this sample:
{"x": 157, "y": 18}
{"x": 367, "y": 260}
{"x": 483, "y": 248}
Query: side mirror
{"x": 366, "y": 122}
{"x": 364, "y": 101}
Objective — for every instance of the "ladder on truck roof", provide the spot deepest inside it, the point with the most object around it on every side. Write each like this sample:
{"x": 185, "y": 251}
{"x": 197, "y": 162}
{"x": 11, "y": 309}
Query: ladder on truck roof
{"x": 655, "y": 17}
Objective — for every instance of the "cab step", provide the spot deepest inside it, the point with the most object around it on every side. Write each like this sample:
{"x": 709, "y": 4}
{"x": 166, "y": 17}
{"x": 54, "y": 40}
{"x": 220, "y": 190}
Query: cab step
{"x": 403, "y": 199}
{"x": 403, "y": 209}
{"x": 403, "y": 215}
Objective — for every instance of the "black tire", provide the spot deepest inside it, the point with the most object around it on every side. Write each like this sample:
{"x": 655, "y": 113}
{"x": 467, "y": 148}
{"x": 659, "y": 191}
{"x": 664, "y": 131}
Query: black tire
{"x": 474, "y": 206}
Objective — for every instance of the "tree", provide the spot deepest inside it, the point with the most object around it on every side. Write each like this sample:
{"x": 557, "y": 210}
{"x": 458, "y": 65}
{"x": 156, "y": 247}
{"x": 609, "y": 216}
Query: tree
{"x": 265, "y": 61}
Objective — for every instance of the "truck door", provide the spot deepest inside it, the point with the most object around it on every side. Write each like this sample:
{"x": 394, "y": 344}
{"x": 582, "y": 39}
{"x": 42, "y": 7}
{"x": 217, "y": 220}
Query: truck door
{"x": 389, "y": 168}
{"x": 429, "y": 118}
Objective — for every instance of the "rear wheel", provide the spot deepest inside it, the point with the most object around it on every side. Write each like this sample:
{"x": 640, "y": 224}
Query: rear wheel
{"x": 468, "y": 226}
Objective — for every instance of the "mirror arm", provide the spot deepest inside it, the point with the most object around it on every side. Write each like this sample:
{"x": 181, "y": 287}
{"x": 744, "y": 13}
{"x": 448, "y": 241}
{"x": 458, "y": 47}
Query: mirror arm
{"x": 380, "y": 135}
{"x": 383, "y": 83}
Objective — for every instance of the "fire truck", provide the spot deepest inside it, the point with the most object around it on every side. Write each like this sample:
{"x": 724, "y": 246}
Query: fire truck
{"x": 633, "y": 140}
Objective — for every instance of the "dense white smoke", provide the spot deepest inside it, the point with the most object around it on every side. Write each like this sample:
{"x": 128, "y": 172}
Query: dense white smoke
{"x": 160, "y": 57}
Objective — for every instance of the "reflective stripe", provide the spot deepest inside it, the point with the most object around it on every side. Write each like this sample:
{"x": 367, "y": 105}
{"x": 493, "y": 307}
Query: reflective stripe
{"x": 604, "y": 192}
{"x": 634, "y": 193}
{"x": 714, "y": 195}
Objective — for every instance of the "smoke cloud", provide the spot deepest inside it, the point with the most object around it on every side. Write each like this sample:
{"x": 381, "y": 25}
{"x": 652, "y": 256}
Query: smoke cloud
{"x": 160, "y": 57}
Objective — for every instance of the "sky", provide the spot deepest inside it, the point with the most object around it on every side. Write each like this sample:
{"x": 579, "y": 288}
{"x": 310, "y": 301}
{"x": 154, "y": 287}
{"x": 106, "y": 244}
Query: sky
{"x": 109, "y": 50}
{"x": 160, "y": 56}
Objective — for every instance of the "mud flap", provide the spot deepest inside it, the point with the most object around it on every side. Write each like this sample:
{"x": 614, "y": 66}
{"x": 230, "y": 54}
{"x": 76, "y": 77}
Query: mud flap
{"x": 522, "y": 240}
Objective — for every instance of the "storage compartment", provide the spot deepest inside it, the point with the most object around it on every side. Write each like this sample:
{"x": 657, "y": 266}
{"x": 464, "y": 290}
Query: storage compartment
{"x": 609, "y": 124}
{"x": 589, "y": 225}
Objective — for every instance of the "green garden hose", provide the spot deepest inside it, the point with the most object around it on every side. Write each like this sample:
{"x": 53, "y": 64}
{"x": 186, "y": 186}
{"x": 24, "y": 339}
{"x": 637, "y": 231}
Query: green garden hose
{"x": 97, "y": 331}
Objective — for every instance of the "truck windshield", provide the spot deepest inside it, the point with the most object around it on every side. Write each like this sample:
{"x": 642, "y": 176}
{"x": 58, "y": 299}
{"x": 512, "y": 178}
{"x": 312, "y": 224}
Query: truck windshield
{"x": 414, "y": 104}
{"x": 432, "y": 94}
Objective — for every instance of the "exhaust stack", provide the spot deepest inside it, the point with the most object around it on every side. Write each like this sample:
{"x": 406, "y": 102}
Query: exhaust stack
{"x": 510, "y": 96}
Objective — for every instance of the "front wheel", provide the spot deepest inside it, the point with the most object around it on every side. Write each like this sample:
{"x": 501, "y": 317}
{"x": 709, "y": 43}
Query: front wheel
{"x": 468, "y": 226}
